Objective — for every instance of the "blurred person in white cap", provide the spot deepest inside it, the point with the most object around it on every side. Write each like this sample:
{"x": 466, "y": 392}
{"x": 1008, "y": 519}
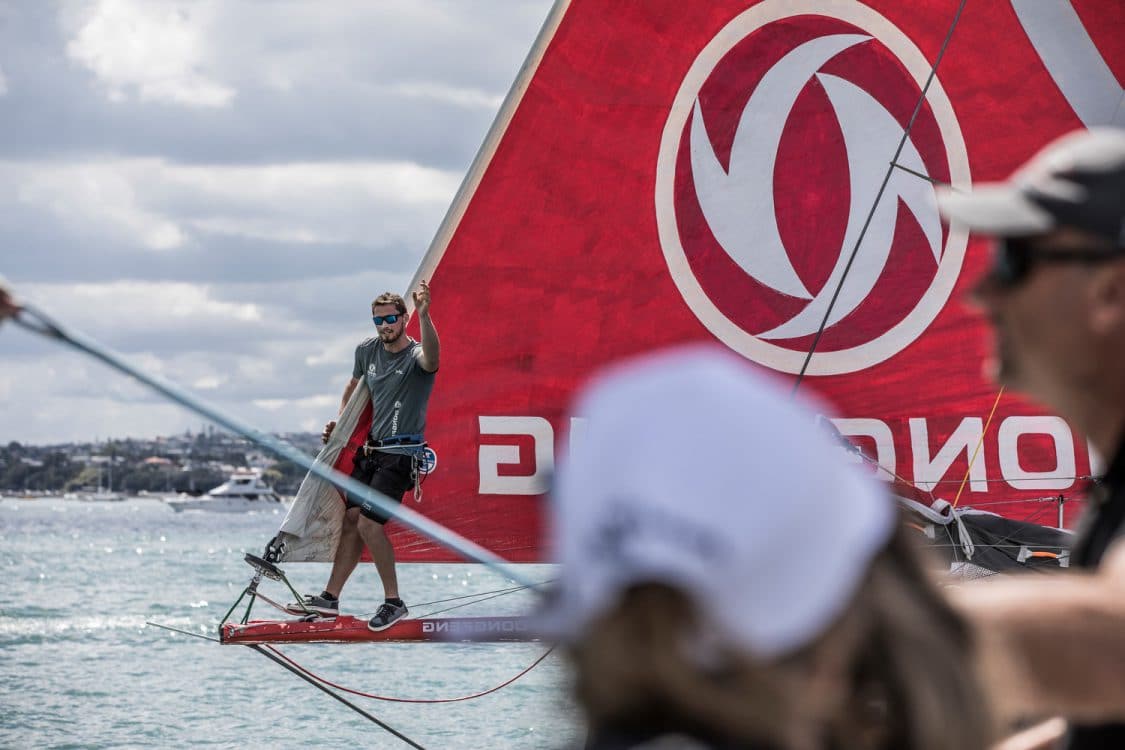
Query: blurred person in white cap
{"x": 728, "y": 580}
{"x": 1055, "y": 296}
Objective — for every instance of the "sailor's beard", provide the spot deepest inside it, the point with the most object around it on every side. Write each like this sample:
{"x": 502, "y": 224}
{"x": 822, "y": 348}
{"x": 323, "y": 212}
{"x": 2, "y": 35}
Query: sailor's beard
{"x": 391, "y": 336}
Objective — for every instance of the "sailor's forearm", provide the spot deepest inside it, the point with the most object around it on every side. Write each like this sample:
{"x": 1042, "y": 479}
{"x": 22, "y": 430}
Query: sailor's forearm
{"x": 1050, "y": 646}
{"x": 431, "y": 346}
{"x": 347, "y": 394}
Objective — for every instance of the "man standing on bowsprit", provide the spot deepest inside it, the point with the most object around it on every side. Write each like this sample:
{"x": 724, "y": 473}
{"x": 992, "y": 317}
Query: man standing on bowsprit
{"x": 1056, "y": 299}
{"x": 399, "y": 372}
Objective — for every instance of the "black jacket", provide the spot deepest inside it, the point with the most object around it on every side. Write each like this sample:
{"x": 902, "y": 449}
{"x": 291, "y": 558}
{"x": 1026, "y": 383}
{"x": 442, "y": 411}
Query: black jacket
{"x": 1104, "y": 523}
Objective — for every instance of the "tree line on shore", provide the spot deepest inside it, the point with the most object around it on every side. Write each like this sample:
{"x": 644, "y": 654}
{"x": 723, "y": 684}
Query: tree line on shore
{"x": 194, "y": 466}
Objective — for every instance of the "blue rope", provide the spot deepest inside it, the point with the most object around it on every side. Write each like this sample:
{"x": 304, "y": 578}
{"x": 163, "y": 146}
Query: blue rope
{"x": 42, "y": 324}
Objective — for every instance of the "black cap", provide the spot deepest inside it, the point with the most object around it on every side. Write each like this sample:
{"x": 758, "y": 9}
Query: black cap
{"x": 1076, "y": 181}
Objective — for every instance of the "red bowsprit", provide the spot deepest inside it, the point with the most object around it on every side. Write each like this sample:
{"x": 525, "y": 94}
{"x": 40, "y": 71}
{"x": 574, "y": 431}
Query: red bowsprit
{"x": 351, "y": 629}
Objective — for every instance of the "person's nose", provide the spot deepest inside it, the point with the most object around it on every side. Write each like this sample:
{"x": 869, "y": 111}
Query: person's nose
{"x": 987, "y": 291}
{"x": 984, "y": 291}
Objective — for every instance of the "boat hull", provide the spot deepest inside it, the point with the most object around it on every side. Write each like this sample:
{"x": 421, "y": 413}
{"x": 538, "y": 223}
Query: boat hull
{"x": 350, "y": 629}
{"x": 225, "y": 504}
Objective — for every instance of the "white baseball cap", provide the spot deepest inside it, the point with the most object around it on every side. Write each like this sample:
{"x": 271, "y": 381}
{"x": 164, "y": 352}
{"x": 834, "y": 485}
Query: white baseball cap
{"x": 699, "y": 471}
{"x": 1077, "y": 180}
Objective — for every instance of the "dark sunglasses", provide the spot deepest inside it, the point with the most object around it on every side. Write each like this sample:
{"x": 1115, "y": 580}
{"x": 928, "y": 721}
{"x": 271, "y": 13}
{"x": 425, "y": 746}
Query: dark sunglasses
{"x": 381, "y": 319}
{"x": 1015, "y": 257}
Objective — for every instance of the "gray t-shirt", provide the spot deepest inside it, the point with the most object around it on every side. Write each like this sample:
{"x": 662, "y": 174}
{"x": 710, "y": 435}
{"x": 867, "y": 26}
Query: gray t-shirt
{"x": 400, "y": 388}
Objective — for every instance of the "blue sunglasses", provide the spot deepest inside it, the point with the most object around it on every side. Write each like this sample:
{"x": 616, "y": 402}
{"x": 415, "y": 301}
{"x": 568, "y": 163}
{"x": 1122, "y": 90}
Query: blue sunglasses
{"x": 380, "y": 319}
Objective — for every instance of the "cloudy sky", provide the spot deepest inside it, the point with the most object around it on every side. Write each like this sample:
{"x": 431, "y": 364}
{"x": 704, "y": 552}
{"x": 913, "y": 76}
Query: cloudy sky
{"x": 217, "y": 189}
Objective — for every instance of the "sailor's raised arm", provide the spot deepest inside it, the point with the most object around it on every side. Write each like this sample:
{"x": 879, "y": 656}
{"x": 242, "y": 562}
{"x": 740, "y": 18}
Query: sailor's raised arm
{"x": 431, "y": 346}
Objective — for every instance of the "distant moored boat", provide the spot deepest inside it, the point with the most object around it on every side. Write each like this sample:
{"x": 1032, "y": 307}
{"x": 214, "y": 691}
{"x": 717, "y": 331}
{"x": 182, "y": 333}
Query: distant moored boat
{"x": 242, "y": 492}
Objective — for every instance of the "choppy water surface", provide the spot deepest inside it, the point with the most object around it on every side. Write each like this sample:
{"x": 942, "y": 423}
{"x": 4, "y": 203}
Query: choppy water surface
{"x": 80, "y": 669}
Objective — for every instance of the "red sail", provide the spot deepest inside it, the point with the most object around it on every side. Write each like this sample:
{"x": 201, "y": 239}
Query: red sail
{"x": 666, "y": 172}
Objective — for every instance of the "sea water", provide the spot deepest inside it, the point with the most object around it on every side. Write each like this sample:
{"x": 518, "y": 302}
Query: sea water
{"x": 79, "y": 667}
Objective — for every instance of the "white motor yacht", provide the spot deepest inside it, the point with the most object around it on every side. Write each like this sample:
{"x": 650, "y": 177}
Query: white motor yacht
{"x": 243, "y": 491}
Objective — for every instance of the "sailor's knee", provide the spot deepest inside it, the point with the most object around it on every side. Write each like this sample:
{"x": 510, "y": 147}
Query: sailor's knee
{"x": 352, "y": 515}
{"x": 369, "y": 525}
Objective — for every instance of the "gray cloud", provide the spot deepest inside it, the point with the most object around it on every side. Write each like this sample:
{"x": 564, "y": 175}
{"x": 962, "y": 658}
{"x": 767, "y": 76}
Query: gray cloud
{"x": 365, "y": 81}
{"x": 217, "y": 191}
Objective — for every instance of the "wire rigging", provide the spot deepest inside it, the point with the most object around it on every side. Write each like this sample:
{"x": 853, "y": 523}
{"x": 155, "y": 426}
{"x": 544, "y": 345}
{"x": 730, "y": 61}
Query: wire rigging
{"x": 389, "y": 699}
{"x": 980, "y": 442}
{"x": 878, "y": 196}
{"x": 323, "y": 688}
{"x": 476, "y": 599}
{"x": 466, "y": 604}
{"x": 511, "y": 590}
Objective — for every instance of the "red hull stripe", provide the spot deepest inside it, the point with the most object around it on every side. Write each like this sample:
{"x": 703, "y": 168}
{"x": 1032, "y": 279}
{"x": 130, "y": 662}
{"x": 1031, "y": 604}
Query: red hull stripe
{"x": 349, "y": 629}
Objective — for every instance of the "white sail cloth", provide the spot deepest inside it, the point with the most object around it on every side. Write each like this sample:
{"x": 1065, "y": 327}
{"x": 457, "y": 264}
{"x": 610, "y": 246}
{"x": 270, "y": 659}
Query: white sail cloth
{"x": 311, "y": 528}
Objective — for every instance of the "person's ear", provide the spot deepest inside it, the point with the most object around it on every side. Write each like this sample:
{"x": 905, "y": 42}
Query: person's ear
{"x": 1107, "y": 298}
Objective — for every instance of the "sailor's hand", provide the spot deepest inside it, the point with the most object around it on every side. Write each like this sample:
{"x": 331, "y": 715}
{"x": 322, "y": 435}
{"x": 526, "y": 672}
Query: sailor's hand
{"x": 327, "y": 431}
{"x": 422, "y": 298}
{"x": 8, "y": 306}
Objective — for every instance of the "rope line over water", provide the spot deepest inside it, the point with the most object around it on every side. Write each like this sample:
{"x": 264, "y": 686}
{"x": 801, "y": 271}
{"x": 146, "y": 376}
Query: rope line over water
{"x": 389, "y": 699}
{"x": 276, "y": 658}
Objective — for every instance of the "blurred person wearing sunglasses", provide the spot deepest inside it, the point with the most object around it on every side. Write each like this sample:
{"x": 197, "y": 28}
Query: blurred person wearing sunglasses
{"x": 399, "y": 372}
{"x": 771, "y": 601}
{"x": 1055, "y": 296}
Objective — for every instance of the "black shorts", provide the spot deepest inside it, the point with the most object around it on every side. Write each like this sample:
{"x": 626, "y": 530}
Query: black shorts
{"x": 388, "y": 473}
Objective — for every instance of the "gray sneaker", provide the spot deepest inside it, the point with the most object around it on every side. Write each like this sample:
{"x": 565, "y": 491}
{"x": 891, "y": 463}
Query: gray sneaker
{"x": 388, "y": 614}
{"x": 314, "y": 603}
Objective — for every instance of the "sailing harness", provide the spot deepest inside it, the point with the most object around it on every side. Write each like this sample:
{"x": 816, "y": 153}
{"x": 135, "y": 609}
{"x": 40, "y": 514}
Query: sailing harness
{"x": 422, "y": 456}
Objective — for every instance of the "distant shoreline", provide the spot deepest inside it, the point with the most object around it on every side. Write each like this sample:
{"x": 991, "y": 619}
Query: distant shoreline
{"x": 179, "y": 464}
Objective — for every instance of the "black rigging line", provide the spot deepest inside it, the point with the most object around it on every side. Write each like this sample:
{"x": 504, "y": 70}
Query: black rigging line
{"x": 878, "y": 197}
{"x": 919, "y": 175}
{"x": 314, "y": 683}
{"x": 466, "y": 604}
{"x": 33, "y": 321}
{"x": 183, "y": 632}
{"x": 994, "y": 480}
{"x": 487, "y": 594}
{"x": 345, "y": 701}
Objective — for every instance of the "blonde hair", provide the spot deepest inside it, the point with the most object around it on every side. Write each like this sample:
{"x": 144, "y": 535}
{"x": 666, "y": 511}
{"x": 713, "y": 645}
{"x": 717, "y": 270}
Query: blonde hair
{"x": 900, "y": 654}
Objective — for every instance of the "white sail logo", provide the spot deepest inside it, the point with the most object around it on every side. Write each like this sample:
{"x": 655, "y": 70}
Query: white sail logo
{"x": 739, "y": 205}
{"x": 737, "y": 202}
